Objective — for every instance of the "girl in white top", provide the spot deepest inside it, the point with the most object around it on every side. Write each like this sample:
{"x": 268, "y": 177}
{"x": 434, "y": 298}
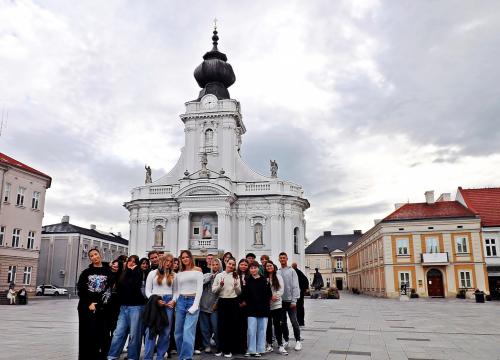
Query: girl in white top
{"x": 161, "y": 282}
{"x": 228, "y": 286}
{"x": 276, "y": 316}
{"x": 188, "y": 287}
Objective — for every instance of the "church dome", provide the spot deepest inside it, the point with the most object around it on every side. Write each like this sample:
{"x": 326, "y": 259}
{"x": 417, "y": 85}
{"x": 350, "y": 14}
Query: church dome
{"x": 214, "y": 75}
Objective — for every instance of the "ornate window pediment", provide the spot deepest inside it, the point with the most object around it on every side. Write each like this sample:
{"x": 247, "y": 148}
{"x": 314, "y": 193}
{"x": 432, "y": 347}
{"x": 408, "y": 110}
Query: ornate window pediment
{"x": 202, "y": 190}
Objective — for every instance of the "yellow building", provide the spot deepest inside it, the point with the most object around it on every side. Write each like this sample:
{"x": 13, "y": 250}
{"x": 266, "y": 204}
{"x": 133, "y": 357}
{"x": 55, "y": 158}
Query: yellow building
{"x": 434, "y": 248}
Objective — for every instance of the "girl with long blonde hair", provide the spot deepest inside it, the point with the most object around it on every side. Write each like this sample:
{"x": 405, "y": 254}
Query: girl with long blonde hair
{"x": 160, "y": 282}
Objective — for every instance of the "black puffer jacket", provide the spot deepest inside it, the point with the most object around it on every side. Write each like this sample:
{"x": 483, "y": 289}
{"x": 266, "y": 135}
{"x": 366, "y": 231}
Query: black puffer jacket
{"x": 154, "y": 316}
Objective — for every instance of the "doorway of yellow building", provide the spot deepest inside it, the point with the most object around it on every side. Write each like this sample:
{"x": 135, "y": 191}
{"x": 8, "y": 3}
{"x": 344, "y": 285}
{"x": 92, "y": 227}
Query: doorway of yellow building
{"x": 435, "y": 286}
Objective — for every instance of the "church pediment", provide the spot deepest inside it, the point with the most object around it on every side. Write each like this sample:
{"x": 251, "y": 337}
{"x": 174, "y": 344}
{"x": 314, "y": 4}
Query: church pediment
{"x": 197, "y": 190}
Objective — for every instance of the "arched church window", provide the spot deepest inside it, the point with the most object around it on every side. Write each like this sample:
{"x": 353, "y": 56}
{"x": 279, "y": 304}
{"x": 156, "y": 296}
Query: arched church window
{"x": 296, "y": 240}
{"x": 158, "y": 236}
{"x": 209, "y": 139}
{"x": 258, "y": 236}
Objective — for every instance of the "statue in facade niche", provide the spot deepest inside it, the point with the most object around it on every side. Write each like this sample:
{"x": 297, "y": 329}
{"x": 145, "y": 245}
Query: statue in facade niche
{"x": 274, "y": 168}
{"x": 158, "y": 236}
{"x": 148, "y": 180}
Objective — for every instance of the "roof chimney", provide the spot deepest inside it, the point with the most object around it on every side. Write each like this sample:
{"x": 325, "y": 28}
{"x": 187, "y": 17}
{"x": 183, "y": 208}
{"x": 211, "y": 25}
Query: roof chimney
{"x": 444, "y": 197}
{"x": 398, "y": 205}
{"x": 429, "y": 197}
{"x": 357, "y": 232}
{"x": 65, "y": 219}
{"x": 327, "y": 233}
{"x": 93, "y": 227}
{"x": 349, "y": 243}
{"x": 119, "y": 234}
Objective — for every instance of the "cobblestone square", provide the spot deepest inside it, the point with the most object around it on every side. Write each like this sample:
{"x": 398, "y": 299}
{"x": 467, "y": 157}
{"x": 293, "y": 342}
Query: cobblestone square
{"x": 354, "y": 327}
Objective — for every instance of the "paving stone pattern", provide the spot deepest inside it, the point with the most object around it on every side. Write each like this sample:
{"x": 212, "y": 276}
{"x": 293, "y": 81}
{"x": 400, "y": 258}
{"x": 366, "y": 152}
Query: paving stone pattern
{"x": 354, "y": 327}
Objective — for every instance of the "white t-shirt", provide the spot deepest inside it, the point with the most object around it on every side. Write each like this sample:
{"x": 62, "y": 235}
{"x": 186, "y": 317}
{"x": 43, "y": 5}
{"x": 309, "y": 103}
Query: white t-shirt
{"x": 188, "y": 283}
{"x": 152, "y": 287}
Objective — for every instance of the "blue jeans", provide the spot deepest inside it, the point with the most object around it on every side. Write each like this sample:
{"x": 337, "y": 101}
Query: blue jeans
{"x": 185, "y": 327}
{"x": 129, "y": 323}
{"x": 163, "y": 337}
{"x": 208, "y": 326}
{"x": 256, "y": 335}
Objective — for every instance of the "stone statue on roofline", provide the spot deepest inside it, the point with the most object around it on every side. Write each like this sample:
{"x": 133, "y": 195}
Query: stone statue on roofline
{"x": 148, "y": 180}
{"x": 274, "y": 168}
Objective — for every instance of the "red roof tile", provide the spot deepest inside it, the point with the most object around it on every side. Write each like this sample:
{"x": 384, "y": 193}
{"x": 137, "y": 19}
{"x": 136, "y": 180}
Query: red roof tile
{"x": 437, "y": 210}
{"x": 485, "y": 202}
{"x": 4, "y": 159}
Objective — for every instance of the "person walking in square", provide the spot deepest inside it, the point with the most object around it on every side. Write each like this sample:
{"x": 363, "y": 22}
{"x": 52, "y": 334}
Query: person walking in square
{"x": 290, "y": 295}
{"x": 256, "y": 296}
{"x": 303, "y": 286}
{"x": 188, "y": 285}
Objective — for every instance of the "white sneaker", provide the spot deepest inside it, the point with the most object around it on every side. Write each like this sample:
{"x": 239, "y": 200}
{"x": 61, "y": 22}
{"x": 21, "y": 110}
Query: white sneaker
{"x": 285, "y": 344}
{"x": 208, "y": 350}
{"x": 229, "y": 355}
{"x": 298, "y": 346}
{"x": 269, "y": 348}
{"x": 197, "y": 352}
{"x": 218, "y": 354}
{"x": 247, "y": 354}
{"x": 257, "y": 355}
{"x": 282, "y": 351}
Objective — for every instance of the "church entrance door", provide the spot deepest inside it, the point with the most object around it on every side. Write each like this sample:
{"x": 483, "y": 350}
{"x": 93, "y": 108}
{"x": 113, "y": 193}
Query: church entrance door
{"x": 435, "y": 286}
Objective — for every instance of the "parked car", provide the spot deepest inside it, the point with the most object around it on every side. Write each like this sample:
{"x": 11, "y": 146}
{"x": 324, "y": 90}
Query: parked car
{"x": 50, "y": 290}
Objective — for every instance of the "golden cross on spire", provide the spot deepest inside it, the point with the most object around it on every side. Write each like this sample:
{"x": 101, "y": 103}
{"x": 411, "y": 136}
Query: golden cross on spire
{"x": 215, "y": 23}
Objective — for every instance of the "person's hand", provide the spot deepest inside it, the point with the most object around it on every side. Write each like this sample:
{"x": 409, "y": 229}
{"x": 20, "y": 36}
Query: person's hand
{"x": 171, "y": 304}
{"x": 221, "y": 284}
{"x": 214, "y": 307}
{"x": 161, "y": 302}
{"x": 293, "y": 306}
{"x": 274, "y": 298}
{"x": 243, "y": 304}
{"x": 92, "y": 307}
{"x": 235, "y": 283}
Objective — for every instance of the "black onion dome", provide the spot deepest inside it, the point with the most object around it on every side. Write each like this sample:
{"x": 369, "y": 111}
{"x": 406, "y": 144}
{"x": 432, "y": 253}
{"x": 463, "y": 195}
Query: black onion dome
{"x": 214, "y": 74}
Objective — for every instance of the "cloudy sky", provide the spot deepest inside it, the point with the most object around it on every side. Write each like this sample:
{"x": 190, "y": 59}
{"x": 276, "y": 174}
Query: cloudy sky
{"x": 364, "y": 103}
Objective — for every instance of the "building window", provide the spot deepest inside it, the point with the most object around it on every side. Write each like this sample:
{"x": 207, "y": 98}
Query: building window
{"x": 27, "y": 275}
{"x": 491, "y": 247}
{"x": 11, "y": 274}
{"x": 2, "y": 235}
{"x": 158, "y": 236}
{"x": 404, "y": 279}
{"x": 6, "y": 192}
{"x": 196, "y": 231}
{"x": 31, "y": 240}
{"x": 465, "y": 281}
{"x": 16, "y": 236}
{"x": 20, "y": 196}
{"x": 339, "y": 263}
{"x": 402, "y": 245}
{"x": 258, "y": 238}
{"x": 35, "y": 201}
{"x": 461, "y": 244}
{"x": 431, "y": 245}
{"x": 209, "y": 140}
{"x": 296, "y": 240}
{"x": 216, "y": 230}
{"x": 85, "y": 251}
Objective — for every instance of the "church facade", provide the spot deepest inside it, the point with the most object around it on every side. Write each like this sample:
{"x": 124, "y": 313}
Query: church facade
{"x": 212, "y": 201}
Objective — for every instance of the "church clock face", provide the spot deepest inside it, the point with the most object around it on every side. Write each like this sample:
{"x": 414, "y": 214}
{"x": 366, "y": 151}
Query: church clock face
{"x": 209, "y": 102}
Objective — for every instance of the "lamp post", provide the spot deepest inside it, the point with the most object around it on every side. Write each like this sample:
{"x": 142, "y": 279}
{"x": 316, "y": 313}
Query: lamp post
{"x": 325, "y": 247}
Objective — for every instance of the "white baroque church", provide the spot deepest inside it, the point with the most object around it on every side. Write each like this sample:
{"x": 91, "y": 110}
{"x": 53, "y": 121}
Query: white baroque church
{"x": 212, "y": 201}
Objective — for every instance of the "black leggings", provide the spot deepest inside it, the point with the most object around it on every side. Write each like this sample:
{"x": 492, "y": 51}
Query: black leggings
{"x": 227, "y": 311}
{"x": 275, "y": 320}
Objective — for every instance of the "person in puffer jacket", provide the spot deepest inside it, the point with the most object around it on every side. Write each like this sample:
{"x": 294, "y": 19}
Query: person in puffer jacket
{"x": 208, "y": 307}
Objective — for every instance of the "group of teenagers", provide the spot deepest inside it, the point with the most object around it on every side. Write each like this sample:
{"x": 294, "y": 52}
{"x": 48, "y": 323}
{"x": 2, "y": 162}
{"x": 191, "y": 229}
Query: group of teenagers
{"x": 171, "y": 305}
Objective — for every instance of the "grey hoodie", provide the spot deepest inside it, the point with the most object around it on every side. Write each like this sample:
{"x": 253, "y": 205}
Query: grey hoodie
{"x": 208, "y": 298}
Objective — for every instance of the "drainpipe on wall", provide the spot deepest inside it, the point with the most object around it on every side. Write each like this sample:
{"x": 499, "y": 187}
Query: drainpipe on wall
{"x": 4, "y": 170}
{"x": 79, "y": 255}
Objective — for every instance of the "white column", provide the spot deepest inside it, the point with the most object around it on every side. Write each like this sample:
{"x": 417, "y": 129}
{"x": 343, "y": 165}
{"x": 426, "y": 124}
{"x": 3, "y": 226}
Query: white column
{"x": 172, "y": 227}
{"x": 183, "y": 232}
{"x": 132, "y": 245}
{"x": 288, "y": 239}
{"x": 224, "y": 221}
{"x": 276, "y": 237}
{"x": 142, "y": 238}
{"x": 242, "y": 235}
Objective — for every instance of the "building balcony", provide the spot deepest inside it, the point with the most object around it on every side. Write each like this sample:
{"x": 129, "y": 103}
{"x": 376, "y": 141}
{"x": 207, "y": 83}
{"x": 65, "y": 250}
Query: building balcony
{"x": 201, "y": 244}
{"x": 440, "y": 258}
{"x": 338, "y": 270}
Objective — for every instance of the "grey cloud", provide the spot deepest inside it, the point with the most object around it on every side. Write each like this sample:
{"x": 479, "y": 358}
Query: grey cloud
{"x": 370, "y": 209}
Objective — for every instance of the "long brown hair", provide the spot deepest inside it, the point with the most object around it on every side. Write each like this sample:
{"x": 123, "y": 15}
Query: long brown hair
{"x": 239, "y": 272}
{"x": 162, "y": 271}
{"x": 181, "y": 264}
{"x": 272, "y": 276}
